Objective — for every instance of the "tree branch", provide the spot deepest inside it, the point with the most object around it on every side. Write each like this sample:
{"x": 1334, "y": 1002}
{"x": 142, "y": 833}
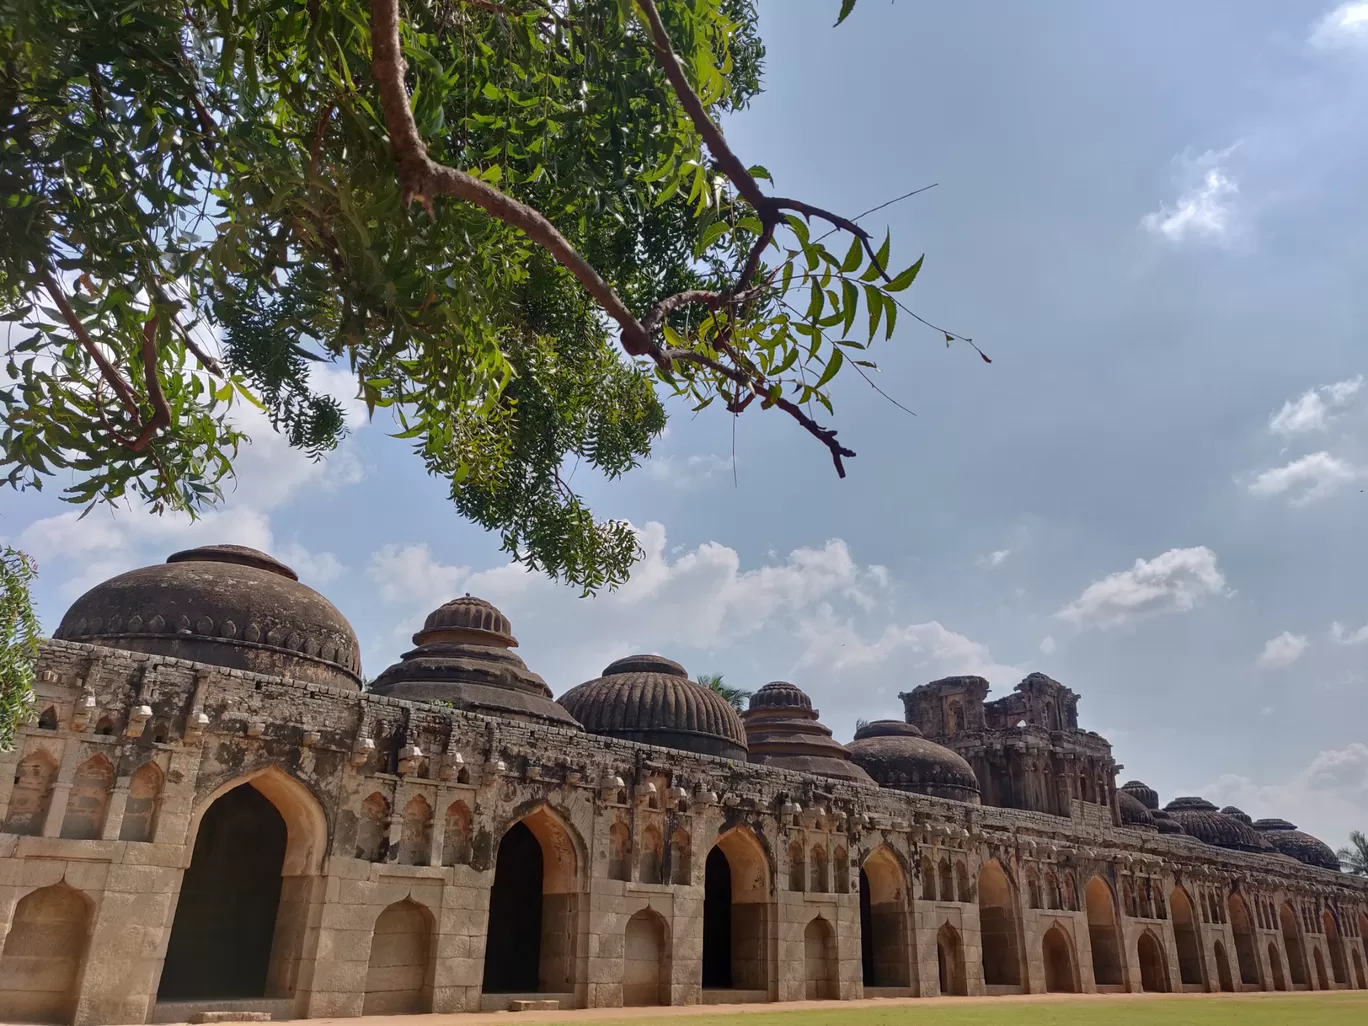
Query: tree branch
{"x": 161, "y": 413}
{"x": 107, "y": 369}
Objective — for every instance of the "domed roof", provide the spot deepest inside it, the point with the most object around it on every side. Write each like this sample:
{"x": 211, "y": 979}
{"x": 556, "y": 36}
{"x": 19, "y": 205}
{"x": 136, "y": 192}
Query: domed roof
{"x": 1292, "y": 842}
{"x": 226, "y": 605}
{"x": 782, "y": 730}
{"x": 1133, "y": 811}
{"x": 1239, "y": 814}
{"x": 650, "y": 699}
{"x": 1200, "y": 818}
{"x": 1166, "y": 824}
{"x": 1146, "y": 795}
{"x": 896, "y": 755}
{"x": 463, "y": 657}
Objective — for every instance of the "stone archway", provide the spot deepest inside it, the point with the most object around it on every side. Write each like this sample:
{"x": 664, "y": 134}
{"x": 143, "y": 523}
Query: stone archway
{"x": 1292, "y": 941}
{"x": 1185, "y": 937}
{"x": 88, "y": 802}
{"x": 883, "y": 921}
{"x": 1223, "y": 968}
{"x": 1154, "y": 976}
{"x": 1103, "y": 933}
{"x": 1275, "y": 962}
{"x": 998, "y": 925}
{"x": 40, "y": 966}
{"x": 400, "y": 973}
{"x": 645, "y": 961}
{"x": 819, "y": 961}
{"x": 533, "y": 908}
{"x": 1057, "y": 949}
{"x": 255, "y": 844}
{"x": 1322, "y": 981}
{"x": 1338, "y": 968}
{"x": 1358, "y": 972}
{"x": 736, "y": 914}
{"x": 1246, "y": 955}
{"x": 950, "y": 962}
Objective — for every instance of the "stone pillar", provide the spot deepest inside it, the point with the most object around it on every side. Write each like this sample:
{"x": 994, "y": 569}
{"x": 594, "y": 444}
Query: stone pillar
{"x": 66, "y": 773}
{"x": 118, "y": 801}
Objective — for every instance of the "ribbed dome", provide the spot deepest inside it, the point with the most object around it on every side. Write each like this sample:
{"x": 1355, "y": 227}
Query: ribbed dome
{"x": 1239, "y": 814}
{"x": 226, "y": 605}
{"x": 1146, "y": 795}
{"x": 897, "y": 756}
{"x": 1166, "y": 824}
{"x": 463, "y": 657}
{"x": 1133, "y": 811}
{"x": 650, "y": 699}
{"x": 1199, "y": 818}
{"x": 782, "y": 730}
{"x": 1293, "y": 843}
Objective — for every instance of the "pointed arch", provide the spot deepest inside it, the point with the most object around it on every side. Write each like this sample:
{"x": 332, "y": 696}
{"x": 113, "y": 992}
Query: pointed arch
{"x": 1060, "y": 963}
{"x": 1359, "y": 980}
{"x": 1222, "y": 968}
{"x": 415, "y": 839}
{"x": 1103, "y": 932}
{"x": 1070, "y": 893}
{"x": 106, "y": 725}
{"x": 652, "y": 855}
{"x": 646, "y": 960}
{"x": 840, "y": 871}
{"x": 681, "y": 858}
{"x": 456, "y": 835}
{"x": 1322, "y": 981}
{"x": 999, "y": 928}
{"x": 1275, "y": 963}
{"x": 1338, "y": 968}
{"x": 946, "y": 882}
{"x": 821, "y": 982}
{"x": 400, "y": 973}
{"x": 1292, "y": 941}
{"x": 306, "y": 824}
{"x": 619, "y": 852}
{"x": 44, "y": 952}
{"x": 1246, "y": 955}
{"x": 88, "y": 800}
{"x": 1154, "y": 975}
{"x": 1051, "y": 890}
{"x": 950, "y": 962}
{"x": 1033, "y": 888}
{"x": 736, "y": 913}
{"x": 818, "y": 877}
{"x": 48, "y": 719}
{"x": 884, "y": 948}
{"x": 140, "y": 810}
{"x": 1185, "y": 937}
{"x": 34, "y": 779}
{"x": 372, "y": 828}
{"x": 797, "y": 867}
{"x": 928, "y": 879}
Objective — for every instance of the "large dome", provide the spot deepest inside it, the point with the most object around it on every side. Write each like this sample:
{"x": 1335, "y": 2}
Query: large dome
{"x": 1133, "y": 811}
{"x": 650, "y": 699}
{"x": 1199, "y": 818}
{"x": 897, "y": 756}
{"x": 463, "y": 657}
{"x": 1143, "y": 793}
{"x": 227, "y": 605}
{"x": 782, "y": 730}
{"x": 1293, "y": 843}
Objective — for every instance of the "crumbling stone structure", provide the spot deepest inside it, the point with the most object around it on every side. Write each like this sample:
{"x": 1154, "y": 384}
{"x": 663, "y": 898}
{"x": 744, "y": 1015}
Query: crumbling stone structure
{"x": 208, "y": 813}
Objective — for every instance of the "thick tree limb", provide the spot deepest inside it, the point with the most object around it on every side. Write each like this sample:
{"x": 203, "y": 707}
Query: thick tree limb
{"x": 107, "y": 370}
{"x": 161, "y": 413}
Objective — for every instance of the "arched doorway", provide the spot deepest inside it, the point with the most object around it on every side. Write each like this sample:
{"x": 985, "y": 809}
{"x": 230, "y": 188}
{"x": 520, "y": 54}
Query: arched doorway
{"x": 736, "y": 914}
{"x": 645, "y": 969}
{"x": 883, "y": 921}
{"x": 399, "y": 976}
{"x": 1296, "y": 954}
{"x": 1322, "y": 982}
{"x": 1358, "y": 972}
{"x": 1275, "y": 963}
{"x": 1246, "y": 955}
{"x": 950, "y": 962}
{"x": 1060, "y": 977}
{"x": 1185, "y": 936}
{"x": 533, "y": 909}
{"x": 40, "y": 965}
{"x": 1338, "y": 968}
{"x": 998, "y": 923}
{"x": 1103, "y": 933}
{"x": 1223, "y": 968}
{"x": 819, "y": 961}
{"x": 1154, "y": 978}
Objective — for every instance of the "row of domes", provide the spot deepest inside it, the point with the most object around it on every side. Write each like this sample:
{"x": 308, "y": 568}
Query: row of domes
{"x": 233, "y": 606}
{"x": 1225, "y": 828}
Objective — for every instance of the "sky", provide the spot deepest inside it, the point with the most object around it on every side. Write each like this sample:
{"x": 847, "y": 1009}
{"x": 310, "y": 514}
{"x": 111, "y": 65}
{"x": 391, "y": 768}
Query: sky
{"x": 1152, "y": 219}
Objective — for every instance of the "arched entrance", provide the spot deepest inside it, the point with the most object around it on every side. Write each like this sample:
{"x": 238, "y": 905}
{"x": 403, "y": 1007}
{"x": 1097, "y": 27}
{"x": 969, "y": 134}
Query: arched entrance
{"x": 736, "y": 914}
{"x": 1338, "y": 968}
{"x": 950, "y": 961}
{"x": 1358, "y": 972}
{"x": 399, "y": 976}
{"x": 1246, "y": 955}
{"x": 645, "y": 968}
{"x": 1223, "y": 968}
{"x": 1296, "y": 954}
{"x": 819, "y": 961}
{"x": 1154, "y": 978}
{"x": 1185, "y": 936}
{"x": 1321, "y": 981}
{"x": 883, "y": 921}
{"x": 1060, "y": 977}
{"x": 40, "y": 966}
{"x": 1275, "y": 962}
{"x": 533, "y": 909}
{"x": 1103, "y": 933}
{"x": 998, "y": 923}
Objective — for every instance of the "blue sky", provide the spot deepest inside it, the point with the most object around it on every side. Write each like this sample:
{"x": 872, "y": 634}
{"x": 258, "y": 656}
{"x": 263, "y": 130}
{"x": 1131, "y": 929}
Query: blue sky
{"x": 1152, "y": 218}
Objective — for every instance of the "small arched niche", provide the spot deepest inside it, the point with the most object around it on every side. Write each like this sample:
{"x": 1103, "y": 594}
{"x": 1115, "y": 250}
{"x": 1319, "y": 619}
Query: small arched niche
{"x": 44, "y": 952}
{"x": 645, "y": 960}
{"x": 400, "y": 972}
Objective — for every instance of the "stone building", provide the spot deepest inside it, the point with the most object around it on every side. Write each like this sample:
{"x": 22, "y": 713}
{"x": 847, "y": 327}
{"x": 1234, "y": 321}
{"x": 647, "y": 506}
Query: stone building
{"x": 209, "y": 813}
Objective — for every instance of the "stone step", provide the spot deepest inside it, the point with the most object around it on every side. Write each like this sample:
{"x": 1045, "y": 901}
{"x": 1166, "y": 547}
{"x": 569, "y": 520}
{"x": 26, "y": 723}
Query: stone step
{"x": 230, "y": 1016}
{"x": 534, "y": 1005}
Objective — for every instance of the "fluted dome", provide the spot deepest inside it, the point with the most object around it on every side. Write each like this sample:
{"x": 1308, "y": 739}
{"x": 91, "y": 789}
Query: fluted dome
{"x": 463, "y": 657}
{"x": 1239, "y": 814}
{"x": 1146, "y": 795}
{"x": 226, "y": 605}
{"x": 897, "y": 756}
{"x": 1133, "y": 812}
{"x": 1286, "y": 838}
{"x": 782, "y": 730}
{"x": 1199, "y": 818}
{"x": 650, "y": 699}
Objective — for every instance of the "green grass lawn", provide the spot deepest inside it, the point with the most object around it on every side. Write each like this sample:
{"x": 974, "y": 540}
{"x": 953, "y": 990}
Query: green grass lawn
{"x": 1341, "y": 1009}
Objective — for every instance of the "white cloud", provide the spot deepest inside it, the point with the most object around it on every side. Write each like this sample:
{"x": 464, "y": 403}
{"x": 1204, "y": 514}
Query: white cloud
{"x": 688, "y": 472}
{"x": 1048, "y": 645}
{"x": 1307, "y": 479}
{"x": 1346, "y": 25}
{"x": 1344, "y": 637}
{"x": 1173, "y": 582}
{"x": 1205, "y": 208}
{"x": 1283, "y": 651}
{"x": 993, "y": 558}
{"x": 1314, "y": 409}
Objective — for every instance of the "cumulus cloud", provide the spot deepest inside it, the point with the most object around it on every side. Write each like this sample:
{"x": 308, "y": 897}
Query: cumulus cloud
{"x": 688, "y": 471}
{"x": 1205, "y": 208}
{"x": 1346, "y": 25}
{"x": 1175, "y": 581}
{"x": 1314, "y": 409}
{"x": 1305, "y": 479}
{"x": 1347, "y": 637}
{"x": 993, "y": 559}
{"x": 1282, "y": 651}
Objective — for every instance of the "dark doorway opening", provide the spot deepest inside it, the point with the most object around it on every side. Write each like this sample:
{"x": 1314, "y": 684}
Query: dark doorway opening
{"x": 220, "y": 944}
{"x": 513, "y": 948}
{"x": 867, "y": 967}
{"x": 717, "y": 927}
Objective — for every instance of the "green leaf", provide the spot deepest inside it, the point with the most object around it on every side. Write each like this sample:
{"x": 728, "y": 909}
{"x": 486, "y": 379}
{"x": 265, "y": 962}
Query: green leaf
{"x": 907, "y": 277}
{"x": 846, "y": 7}
{"x": 832, "y": 367}
{"x": 853, "y": 256}
{"x": 874, "y": 301}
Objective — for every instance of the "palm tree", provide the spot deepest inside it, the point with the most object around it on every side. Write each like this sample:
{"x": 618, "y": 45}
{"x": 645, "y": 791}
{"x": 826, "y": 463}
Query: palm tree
{"x": 736, "y": 697}
{"x": 1354, "y": 858}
